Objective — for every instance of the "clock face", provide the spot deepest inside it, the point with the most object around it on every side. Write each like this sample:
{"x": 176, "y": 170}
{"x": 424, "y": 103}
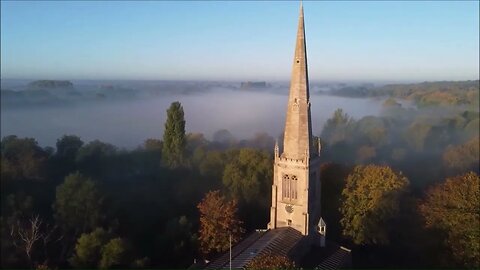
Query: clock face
{"x": 289, "y": 208}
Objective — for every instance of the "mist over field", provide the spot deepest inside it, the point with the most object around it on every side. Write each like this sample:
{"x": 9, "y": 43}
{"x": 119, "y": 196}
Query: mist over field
{"x": 126, "y": 114}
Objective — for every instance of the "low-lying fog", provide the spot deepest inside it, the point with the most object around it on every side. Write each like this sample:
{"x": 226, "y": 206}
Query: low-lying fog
{"x": 127, "y": 123}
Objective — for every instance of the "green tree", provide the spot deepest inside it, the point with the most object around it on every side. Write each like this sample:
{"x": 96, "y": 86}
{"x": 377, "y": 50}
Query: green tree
{"x": 92, "y": 159}
{"x": 224, "y": 138}
{"x": 174, "y": 141}
{"x": 68, "y": 146}
{"x": 371, "y": 200}
{"x": 67, "y": 149}
{"x": 100, "y": 249}
{"x": 338, "y": 127}
{"x": 218, "y": 220}
{"x": 78, "y": 204}
{"x": 88, "y": 249}
{"x": 113, "y": 253}
{"x": 248, "y": 175}
{"x": 454, "y": 207}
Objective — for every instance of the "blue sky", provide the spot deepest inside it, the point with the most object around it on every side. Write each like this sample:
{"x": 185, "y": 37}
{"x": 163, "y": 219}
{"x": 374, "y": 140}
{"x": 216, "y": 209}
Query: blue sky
{"x": 239, "y": 40}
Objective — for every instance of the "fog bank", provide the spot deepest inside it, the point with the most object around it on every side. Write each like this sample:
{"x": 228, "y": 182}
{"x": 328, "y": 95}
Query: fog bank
{"x": 127, "y": 123}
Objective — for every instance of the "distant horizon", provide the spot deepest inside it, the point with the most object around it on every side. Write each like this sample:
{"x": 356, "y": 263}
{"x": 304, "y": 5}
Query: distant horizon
{"x": 237, "y": 81}
{"x": 239, "y": 41}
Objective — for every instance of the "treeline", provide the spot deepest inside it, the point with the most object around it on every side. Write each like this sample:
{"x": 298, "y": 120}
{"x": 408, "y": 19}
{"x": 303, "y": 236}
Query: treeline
{"x": 65, "y": 93}
{"x": 402, "y": 189}
{"x": 446, "y": 93}
{"x": 90, "y": 205}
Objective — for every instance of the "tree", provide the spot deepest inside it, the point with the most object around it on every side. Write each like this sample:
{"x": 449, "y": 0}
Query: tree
{"x": 224, "y": 138}
{"x": 270, "y": 261}
{"x": 454, "y": 207}
{"x": 248, "y": 175}
{"x": 174, "y": 136}
{"x": 337, "y": 127}
{"x": 463, "y": 157}
{"x": 366, "y": 153}
{"x": 68, "y": 146}
{"x": 113, "y": 253}
{"x": 27, "y": 235}
{"x": 64, "y": 158}
{"x": 78, "y": 204}
{"x": 88, "y": 249}
{"x": 22, "y": 158}
{"x": 370, "y": 200}
{"x": 153, "y": 145}
{"x": 417, "y": 134}
{"x": 218, "y": 220}
{"x": 92, "y": 158}
{"x": 99, "y": 248}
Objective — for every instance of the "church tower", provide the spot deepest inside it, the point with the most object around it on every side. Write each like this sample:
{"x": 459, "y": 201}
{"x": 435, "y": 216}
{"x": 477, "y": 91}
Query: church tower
{"x": 296, "y": 180}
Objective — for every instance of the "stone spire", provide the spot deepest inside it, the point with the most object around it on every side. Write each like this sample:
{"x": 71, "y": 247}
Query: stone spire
{"x": 298, "y": 143}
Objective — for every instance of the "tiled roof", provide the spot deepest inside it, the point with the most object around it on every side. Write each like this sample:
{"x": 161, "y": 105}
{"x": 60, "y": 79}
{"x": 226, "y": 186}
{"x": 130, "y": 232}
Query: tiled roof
{"x": 277, "y": 241}
{"x": 341, "y": 258}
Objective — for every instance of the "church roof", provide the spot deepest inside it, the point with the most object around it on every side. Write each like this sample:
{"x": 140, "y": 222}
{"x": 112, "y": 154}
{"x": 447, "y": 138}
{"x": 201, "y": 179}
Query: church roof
{"x": 277, "y": 241}
{"x": 282, "y": 242}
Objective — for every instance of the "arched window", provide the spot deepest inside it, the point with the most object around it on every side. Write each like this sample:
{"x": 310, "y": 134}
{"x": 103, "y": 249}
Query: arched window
{"x": 293, "y": 184}
{"x": 289, "y": 187}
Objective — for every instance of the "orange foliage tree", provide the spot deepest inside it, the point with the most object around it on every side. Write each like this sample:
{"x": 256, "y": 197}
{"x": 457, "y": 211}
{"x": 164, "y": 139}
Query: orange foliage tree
{"x": 454, "y": 206}
{"x": 218, "y": 220}
{"x": 271, "y": 261}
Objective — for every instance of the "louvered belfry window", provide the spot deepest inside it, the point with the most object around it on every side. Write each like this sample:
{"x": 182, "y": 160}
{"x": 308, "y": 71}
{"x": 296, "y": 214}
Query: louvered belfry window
{"x": 289, "y": 187}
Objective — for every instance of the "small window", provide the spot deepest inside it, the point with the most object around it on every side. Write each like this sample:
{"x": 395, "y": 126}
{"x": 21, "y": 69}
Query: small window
{"x": 289, "y": 222}
{"x": 298, "y": 61}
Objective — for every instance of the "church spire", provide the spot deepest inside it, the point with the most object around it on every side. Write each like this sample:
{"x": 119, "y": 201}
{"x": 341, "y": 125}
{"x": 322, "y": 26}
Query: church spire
{"x": 298, "y": 142}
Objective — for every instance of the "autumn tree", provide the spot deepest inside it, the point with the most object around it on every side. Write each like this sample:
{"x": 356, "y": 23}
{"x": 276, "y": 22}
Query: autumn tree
{"x": 218, "y": 221}
{"x": 417, "y": 134}
{"x": 463, "y": 157}
{"x": 174, "y": 141}
{"x": 454, "y": 207}
{"x": 370, "y": 200}
{"x": 271, "y": 261}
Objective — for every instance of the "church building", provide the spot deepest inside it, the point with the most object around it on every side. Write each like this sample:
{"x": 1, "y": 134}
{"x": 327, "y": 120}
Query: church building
{"x": 296, "y": 229}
